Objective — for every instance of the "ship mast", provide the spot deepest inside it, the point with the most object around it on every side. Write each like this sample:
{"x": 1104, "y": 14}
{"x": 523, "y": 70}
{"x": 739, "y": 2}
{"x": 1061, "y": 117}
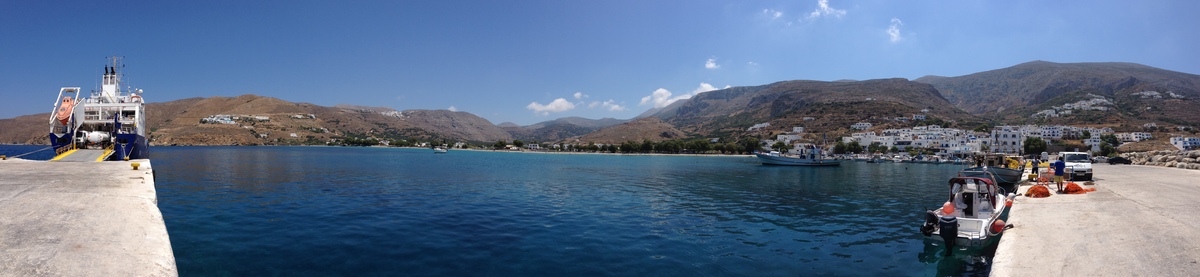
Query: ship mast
{"x": 110, "y": 89}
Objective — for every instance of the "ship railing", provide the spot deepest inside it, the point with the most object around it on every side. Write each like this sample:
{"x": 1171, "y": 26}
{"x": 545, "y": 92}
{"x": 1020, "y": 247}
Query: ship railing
{"x": 64, "y": 149}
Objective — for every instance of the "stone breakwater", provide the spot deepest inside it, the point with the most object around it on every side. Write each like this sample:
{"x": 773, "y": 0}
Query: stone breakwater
{"x": 1176, "y": 159}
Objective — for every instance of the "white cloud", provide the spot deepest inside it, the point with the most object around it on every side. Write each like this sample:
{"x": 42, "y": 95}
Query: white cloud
{"x": 711, "y": 64}
{"x": 894, "y": 30}
{"x": 580, "y": 95}
{"x": 772, "y": 13}
{"x": 752, "y": 63}
{"x": 823, "y": 9}
{"x": 661, "y": 97}
{"x": 453, "y": 109}
{"x": 704, "y": 87}
{"x": 558, "y": 105}
{"x": 611, "y": 105}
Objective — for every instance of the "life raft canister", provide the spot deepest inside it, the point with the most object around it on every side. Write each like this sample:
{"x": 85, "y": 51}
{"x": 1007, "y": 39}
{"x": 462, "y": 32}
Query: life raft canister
{"x": 64, "y": 110}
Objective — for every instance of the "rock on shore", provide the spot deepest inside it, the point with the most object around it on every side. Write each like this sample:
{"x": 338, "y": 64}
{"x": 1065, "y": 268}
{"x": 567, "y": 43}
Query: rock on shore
{"x": 1176, "y": 159}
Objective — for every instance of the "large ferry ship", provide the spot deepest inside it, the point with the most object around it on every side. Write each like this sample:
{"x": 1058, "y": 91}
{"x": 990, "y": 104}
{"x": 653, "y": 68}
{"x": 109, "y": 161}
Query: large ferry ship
{"x": 109, "y": 124}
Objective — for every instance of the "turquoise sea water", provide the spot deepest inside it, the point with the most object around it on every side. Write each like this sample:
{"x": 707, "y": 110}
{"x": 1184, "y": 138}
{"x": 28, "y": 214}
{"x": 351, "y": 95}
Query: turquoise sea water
{"x": 382, "y": 211}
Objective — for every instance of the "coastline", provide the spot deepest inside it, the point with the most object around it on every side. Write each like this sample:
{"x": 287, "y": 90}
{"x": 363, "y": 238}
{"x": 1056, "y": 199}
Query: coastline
{"x": 477, "y": 150}
{"x": 595, "y": 153}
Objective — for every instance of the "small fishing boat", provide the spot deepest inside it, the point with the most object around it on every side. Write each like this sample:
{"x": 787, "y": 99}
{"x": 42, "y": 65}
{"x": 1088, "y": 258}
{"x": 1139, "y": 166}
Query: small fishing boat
{"x": 810, "y": 155}
{"x": 439, "y": 150}
{"x": 971, "y": 218}
{"x": 1006, "y": 171}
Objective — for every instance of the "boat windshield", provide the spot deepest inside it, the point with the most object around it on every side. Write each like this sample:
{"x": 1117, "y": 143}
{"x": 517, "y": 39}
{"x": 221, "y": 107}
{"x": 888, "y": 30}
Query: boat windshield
{"x": 1077, "y": 158}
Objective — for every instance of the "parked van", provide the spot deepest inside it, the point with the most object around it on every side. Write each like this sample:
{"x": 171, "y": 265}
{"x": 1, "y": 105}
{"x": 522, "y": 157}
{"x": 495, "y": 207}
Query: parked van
{"x": 1079, "y": 165}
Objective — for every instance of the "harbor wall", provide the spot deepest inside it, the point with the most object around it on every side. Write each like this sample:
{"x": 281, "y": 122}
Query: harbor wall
{"x": 81, "y": 219}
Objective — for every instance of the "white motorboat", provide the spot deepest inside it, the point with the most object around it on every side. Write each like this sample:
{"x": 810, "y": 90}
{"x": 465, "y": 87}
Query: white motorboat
{"x": 972, "y": 217}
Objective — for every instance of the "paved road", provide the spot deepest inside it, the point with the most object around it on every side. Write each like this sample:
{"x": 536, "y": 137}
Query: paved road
{"x": 1141, "y": 221}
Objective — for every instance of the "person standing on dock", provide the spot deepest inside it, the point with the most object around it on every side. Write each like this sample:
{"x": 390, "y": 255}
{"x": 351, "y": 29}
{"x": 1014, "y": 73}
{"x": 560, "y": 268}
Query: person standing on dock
{"x": 1035, "y": 172}
{"x": 1059, "y": 167}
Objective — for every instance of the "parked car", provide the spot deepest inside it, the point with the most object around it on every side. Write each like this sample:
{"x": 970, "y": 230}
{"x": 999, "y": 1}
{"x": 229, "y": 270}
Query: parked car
{"x": 1099, "y": 159}
{"x": 1119, "y": 160}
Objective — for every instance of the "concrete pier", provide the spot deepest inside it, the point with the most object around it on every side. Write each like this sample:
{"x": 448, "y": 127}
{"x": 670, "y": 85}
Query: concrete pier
{"x": 81, "y": 219}
{"x": 1140, "y": 221}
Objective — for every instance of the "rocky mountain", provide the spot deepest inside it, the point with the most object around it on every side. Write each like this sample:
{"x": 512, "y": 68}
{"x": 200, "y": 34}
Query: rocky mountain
{"x": 454, "y": 125}
{"x": 581, "y": 122}
{"x": 1130, "y": 93}
{"x": 558, "y": 129}
{"x": 363, "y": 108}
{"x": 650, "y": 128}
{"x": 1121, "y": 95}
{"x": 27, "y": 129}
{"x": 819, "y": 106}
{"x": 265, "y": 121}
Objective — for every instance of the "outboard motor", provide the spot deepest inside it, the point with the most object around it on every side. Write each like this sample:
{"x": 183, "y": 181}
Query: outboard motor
{"x": 931, "y": 223}
{"x": 949, "y": 232}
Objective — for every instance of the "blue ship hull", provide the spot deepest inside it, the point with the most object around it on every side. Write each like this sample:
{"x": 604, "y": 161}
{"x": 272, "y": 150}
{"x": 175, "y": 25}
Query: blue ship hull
{"x": 132, "y": 146}
{"x": 59, "y": 142}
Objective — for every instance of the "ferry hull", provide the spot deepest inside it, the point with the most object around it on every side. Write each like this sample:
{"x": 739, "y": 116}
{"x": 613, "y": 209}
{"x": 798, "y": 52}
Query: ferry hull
{"x": 131, "y": 147}
{"x": 59, "y": 141}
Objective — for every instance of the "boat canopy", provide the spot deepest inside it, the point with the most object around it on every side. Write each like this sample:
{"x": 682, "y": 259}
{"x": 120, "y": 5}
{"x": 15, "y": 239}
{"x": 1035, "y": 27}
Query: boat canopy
{"x": 964, "y": 180}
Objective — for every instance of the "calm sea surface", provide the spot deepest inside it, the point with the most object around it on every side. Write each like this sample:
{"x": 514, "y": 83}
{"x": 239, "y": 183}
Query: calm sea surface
{"x": 292, "y": 211}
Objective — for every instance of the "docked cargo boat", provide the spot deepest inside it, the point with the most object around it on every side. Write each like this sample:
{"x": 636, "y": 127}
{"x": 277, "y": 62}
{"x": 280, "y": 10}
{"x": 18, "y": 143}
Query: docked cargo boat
{"x": 972, "y": 217}
{"x": 110, "y": 122}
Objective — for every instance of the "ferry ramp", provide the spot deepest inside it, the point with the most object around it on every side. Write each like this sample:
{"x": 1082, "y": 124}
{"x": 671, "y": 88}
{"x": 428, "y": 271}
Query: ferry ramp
{"x": 81, "y": 219}
{"x": 84, "y": 155}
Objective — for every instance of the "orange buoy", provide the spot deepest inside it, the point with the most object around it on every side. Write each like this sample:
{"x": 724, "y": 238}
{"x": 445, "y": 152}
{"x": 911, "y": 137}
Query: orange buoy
{"x": 998, "y": 226}
{"x": 948, "y": 208}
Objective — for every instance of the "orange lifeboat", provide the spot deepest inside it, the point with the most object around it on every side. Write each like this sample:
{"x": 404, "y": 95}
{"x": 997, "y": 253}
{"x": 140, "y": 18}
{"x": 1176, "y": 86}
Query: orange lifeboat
{"x": 64, "y": 110}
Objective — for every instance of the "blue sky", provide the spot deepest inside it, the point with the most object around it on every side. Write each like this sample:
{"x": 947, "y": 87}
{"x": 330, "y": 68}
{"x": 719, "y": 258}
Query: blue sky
{"x": 531, "y": 61}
